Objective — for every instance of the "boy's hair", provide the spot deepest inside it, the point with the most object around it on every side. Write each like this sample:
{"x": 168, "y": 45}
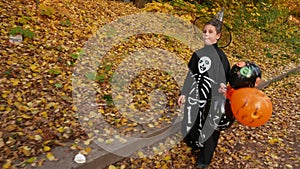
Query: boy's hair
{"x": 244, "y": 76}
{"x": 216, "y": 23}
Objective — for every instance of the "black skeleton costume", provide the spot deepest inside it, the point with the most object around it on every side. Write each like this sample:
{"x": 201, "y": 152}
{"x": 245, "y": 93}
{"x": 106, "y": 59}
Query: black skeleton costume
{"x": 206, "y": 111}
{"x": 208, "y": 68}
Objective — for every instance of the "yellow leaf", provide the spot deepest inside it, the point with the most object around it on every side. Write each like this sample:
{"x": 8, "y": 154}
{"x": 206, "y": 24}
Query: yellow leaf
{"x": 15, "y": 82}
{"x": 51, "y": 105}
{"x": 47, "y": 148}
{"x": 61, "y": 129}
{"x": 101, "y": 111}
{"x": 88, "y": 142}
{"x": 2, "y": 107}
{"x": 47, "y": 142}
{"x": 247, "y": 157}
{"x": 50, "y": 156}
{"x": 131, "y": 106}
{"x": 9, "y": 101}
{"x": 26, "y": 151}
{"x": 124, "y": 121}
{"x": 7, "y": 164}
{"x": 73, "y": 147}
{"x": 33, "y": 68}
{"x": 118, "y": 97}
{"x": 273, "y": 140}
{"x": 44, "y": 114}
{"x": 112, "y": 167}
{"x": 141, "y": 154}
{"x": 88, "y": 150}
{"x": 223, "y": 149}
{"x": 167, "y": 158}
{"x": 165, "y": 166}
{"x": 90, "y": 123}
{"x": 31, "y": 160}
{"x": 4, "y": 95}
{"x": 187, "y": 17}
{"x": 25, "y": 116}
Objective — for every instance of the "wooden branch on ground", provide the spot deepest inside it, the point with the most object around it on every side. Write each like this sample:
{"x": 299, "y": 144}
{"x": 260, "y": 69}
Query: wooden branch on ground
{"x": 277, "y": 78}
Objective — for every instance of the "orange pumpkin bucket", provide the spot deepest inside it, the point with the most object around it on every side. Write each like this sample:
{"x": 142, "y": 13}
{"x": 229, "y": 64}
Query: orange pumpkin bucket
{"x": 251, "y": 107}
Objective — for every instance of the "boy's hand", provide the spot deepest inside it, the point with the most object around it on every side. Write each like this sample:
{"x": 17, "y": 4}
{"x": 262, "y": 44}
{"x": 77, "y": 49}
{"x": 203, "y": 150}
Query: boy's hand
{"x": 181, "y": 100}
{"x": 223, "y": 88}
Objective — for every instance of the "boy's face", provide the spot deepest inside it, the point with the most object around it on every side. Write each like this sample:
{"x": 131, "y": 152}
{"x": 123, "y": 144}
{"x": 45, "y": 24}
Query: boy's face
{"x": 241, "y": 64}
{"x": 210, "y": 35}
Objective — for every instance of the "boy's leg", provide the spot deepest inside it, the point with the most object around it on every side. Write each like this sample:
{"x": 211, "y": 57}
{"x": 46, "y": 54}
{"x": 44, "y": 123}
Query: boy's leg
{"x": 208, "y": 149}
{"x": 191, "y": 139}
{"x": 193, "y": 136}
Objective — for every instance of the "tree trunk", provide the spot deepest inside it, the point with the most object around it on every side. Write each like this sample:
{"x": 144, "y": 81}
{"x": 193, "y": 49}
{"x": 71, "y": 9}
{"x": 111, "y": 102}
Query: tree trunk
{"x": 140, "y": 3}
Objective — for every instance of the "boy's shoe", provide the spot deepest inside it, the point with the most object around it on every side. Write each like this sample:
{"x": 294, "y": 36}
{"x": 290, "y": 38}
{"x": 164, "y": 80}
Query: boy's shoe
{"x": 201, "y": 166}
{"x": 191, "y": 144}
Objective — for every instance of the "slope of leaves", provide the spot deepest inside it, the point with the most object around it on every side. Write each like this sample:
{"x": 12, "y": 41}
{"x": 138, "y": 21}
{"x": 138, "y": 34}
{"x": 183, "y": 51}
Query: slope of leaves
{"x": 35, "y": 76}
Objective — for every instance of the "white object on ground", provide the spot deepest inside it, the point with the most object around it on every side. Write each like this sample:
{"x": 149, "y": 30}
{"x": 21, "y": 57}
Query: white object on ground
{"x": 80, "y": 158}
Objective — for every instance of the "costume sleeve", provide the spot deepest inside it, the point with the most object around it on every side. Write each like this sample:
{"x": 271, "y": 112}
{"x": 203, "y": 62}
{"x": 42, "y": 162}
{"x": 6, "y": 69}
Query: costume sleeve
{"x": 193, "y": 66}
{"x": 193, "y": 63}
{"x": 187, "y": 85}
{"x": 225, "y": 62}
{"x": 226, "y": 66}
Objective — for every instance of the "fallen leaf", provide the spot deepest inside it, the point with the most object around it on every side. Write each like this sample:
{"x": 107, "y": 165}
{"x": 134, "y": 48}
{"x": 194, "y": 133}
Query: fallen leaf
{"x": 51, "y": 157}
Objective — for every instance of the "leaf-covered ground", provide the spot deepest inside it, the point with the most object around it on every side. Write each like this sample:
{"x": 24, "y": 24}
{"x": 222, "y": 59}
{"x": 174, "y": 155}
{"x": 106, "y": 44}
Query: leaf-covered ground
{"x": 36, "y": 108}
{"x": 273, "y": 145}
{"x": 35, "y": 76}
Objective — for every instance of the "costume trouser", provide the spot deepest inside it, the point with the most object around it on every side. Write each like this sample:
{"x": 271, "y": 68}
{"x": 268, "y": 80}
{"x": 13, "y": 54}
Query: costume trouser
{"x": 208, "y": 149}
{"x": 193, "y": 135}
{"x": 209, "y": 145}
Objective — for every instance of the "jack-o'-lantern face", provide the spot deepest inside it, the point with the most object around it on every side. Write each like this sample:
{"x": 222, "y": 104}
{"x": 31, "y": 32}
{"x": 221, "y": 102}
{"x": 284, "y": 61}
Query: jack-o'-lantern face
{"x": 251, "y": 107}
{"x": 204, "y": 64}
